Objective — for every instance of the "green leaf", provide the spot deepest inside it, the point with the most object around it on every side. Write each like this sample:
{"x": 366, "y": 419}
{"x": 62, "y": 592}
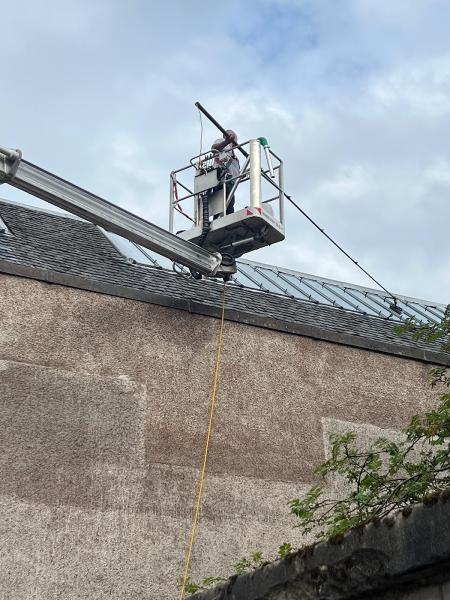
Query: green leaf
{"x": 284, "y": 549}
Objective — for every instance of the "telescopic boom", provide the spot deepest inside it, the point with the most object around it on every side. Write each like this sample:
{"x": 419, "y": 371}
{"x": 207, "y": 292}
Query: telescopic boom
{"x": 68, "y": 196}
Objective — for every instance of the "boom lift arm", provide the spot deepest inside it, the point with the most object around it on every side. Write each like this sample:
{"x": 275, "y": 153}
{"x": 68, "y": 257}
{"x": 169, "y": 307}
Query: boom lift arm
{"x": 68, "y": 196}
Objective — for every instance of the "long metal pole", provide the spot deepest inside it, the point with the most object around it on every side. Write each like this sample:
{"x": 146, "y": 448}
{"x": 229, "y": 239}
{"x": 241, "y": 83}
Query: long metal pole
{"x": 217, "y": 124}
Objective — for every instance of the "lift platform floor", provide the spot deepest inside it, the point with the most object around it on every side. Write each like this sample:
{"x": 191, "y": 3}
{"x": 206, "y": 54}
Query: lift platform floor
{"x": 240, "y": 232}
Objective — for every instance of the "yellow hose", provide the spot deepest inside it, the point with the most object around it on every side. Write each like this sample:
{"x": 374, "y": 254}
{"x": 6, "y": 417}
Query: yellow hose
{"x": 201, "y": 484}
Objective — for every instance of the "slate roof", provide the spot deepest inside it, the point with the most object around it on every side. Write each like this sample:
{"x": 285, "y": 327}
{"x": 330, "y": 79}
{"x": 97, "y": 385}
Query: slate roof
{"x": 66, "y": 250}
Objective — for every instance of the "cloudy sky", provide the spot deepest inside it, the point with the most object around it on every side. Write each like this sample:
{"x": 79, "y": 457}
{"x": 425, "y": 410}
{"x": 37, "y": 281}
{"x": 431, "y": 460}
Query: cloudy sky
{"x": 354, "y": 95}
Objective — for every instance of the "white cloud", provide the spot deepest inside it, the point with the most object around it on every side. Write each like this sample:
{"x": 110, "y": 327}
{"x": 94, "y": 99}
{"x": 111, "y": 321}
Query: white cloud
{"x": 349, "y": 183}
{"x": 422, "y": 88}
{"x": 438, "y": 171}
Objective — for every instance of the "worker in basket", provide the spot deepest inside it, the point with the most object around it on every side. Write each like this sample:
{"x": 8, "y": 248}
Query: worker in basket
{"x": 227, "y": 162}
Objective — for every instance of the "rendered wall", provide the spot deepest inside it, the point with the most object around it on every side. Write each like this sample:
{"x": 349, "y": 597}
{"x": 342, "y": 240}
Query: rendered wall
{"x": 103, "y": 415}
